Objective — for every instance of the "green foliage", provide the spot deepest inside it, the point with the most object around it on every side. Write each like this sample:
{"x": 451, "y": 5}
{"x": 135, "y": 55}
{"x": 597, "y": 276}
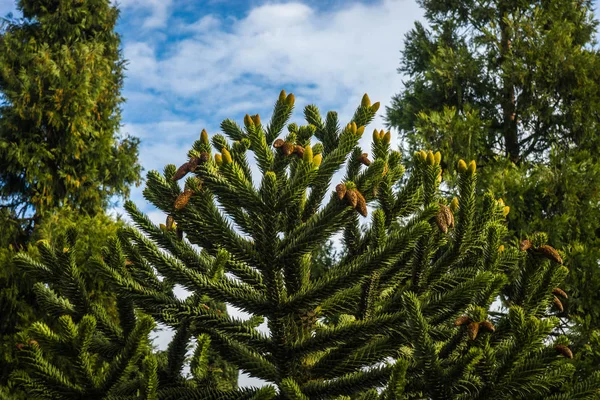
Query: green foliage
{"x": 525, "y": 68}
{"x": 61, "y": 72}
{"x": 79, "y": 351}
{"x": 516, "y": 85}
{"x": 411, "y": 295}
{"x": 323, "y": 258}
{"x": 83, "y": 347}
{"x": 17, "y": 299}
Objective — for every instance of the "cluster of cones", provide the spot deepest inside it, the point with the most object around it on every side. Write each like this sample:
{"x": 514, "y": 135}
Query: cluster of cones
{"x": 288, "y": 148}
{"x": 474, "y": 326}
{"x": 463, "y": 168}
{"x": 353, "y": 197}
{"x": 545, "y": 251}
{"x": 382, "y": 137}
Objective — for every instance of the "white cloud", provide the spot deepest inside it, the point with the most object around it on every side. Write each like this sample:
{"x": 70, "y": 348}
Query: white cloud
{"x": 159, "y": 10}
{"x": 142, "y": 60}
{"x": 166, "y": 142}
{"x": 203, "y": 25}
{"x": 331, "y": 58}
{"x": 275, "y": 19}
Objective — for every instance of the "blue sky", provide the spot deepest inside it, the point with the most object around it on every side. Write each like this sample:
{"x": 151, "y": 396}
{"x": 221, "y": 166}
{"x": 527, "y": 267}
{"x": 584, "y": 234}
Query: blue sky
{"x": 194, "y": 63}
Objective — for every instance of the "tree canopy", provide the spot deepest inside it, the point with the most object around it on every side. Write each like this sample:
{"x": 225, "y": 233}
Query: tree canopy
{"x": 61, "y": 72}
{"x": 516, "y": 84}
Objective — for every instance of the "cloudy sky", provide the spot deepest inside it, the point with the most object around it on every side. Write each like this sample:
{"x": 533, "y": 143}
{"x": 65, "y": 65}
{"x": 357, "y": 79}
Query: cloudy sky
{"x": 194, "y": 63}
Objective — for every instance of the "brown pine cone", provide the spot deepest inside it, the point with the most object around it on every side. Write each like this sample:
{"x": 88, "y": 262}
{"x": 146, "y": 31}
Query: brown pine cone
{"x": 558, "y": 304}
{"x": 352, "y": 197}
{"x": 204, "y": 157}
{"x": 299, "y": 151}
{"x": 472, "y": 330}
{"x": 364, "y": 159}
{"x": 448, "y": 215}
{"x": 194, "y": 161}
{"x": 182, "y": 171}
{"x": 444, "y": 218}
{"x": 550, "y": 253}
{"x": 564, "y": 350}
{"x": 183, "y": 199}
{"x": 488, "y": 326}
{"x": 440, "y": 220}
{"x": 525, "y": 245}
{"x": 560, "y": 292}
{"x": 340, "y": 189}
{"x": 278, "y": 143}
{"x": 287, "y": 148}
{"x": 361, "y": 204}
{"x": 462, "y": 320}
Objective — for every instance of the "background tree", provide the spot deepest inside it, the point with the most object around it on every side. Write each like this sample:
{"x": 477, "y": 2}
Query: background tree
{"x": 325, "y": 257}
{"x": 517, "y": 84}
{"x": 415, "y": 287}
{"x": 61, "y": 72}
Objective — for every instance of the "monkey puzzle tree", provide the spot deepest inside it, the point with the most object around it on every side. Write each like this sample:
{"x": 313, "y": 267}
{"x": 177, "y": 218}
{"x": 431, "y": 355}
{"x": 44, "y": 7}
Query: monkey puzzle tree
{"x": 81, "y": 351}
{"x": 412, "y": 294}
{"x": 17, "y": 300}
